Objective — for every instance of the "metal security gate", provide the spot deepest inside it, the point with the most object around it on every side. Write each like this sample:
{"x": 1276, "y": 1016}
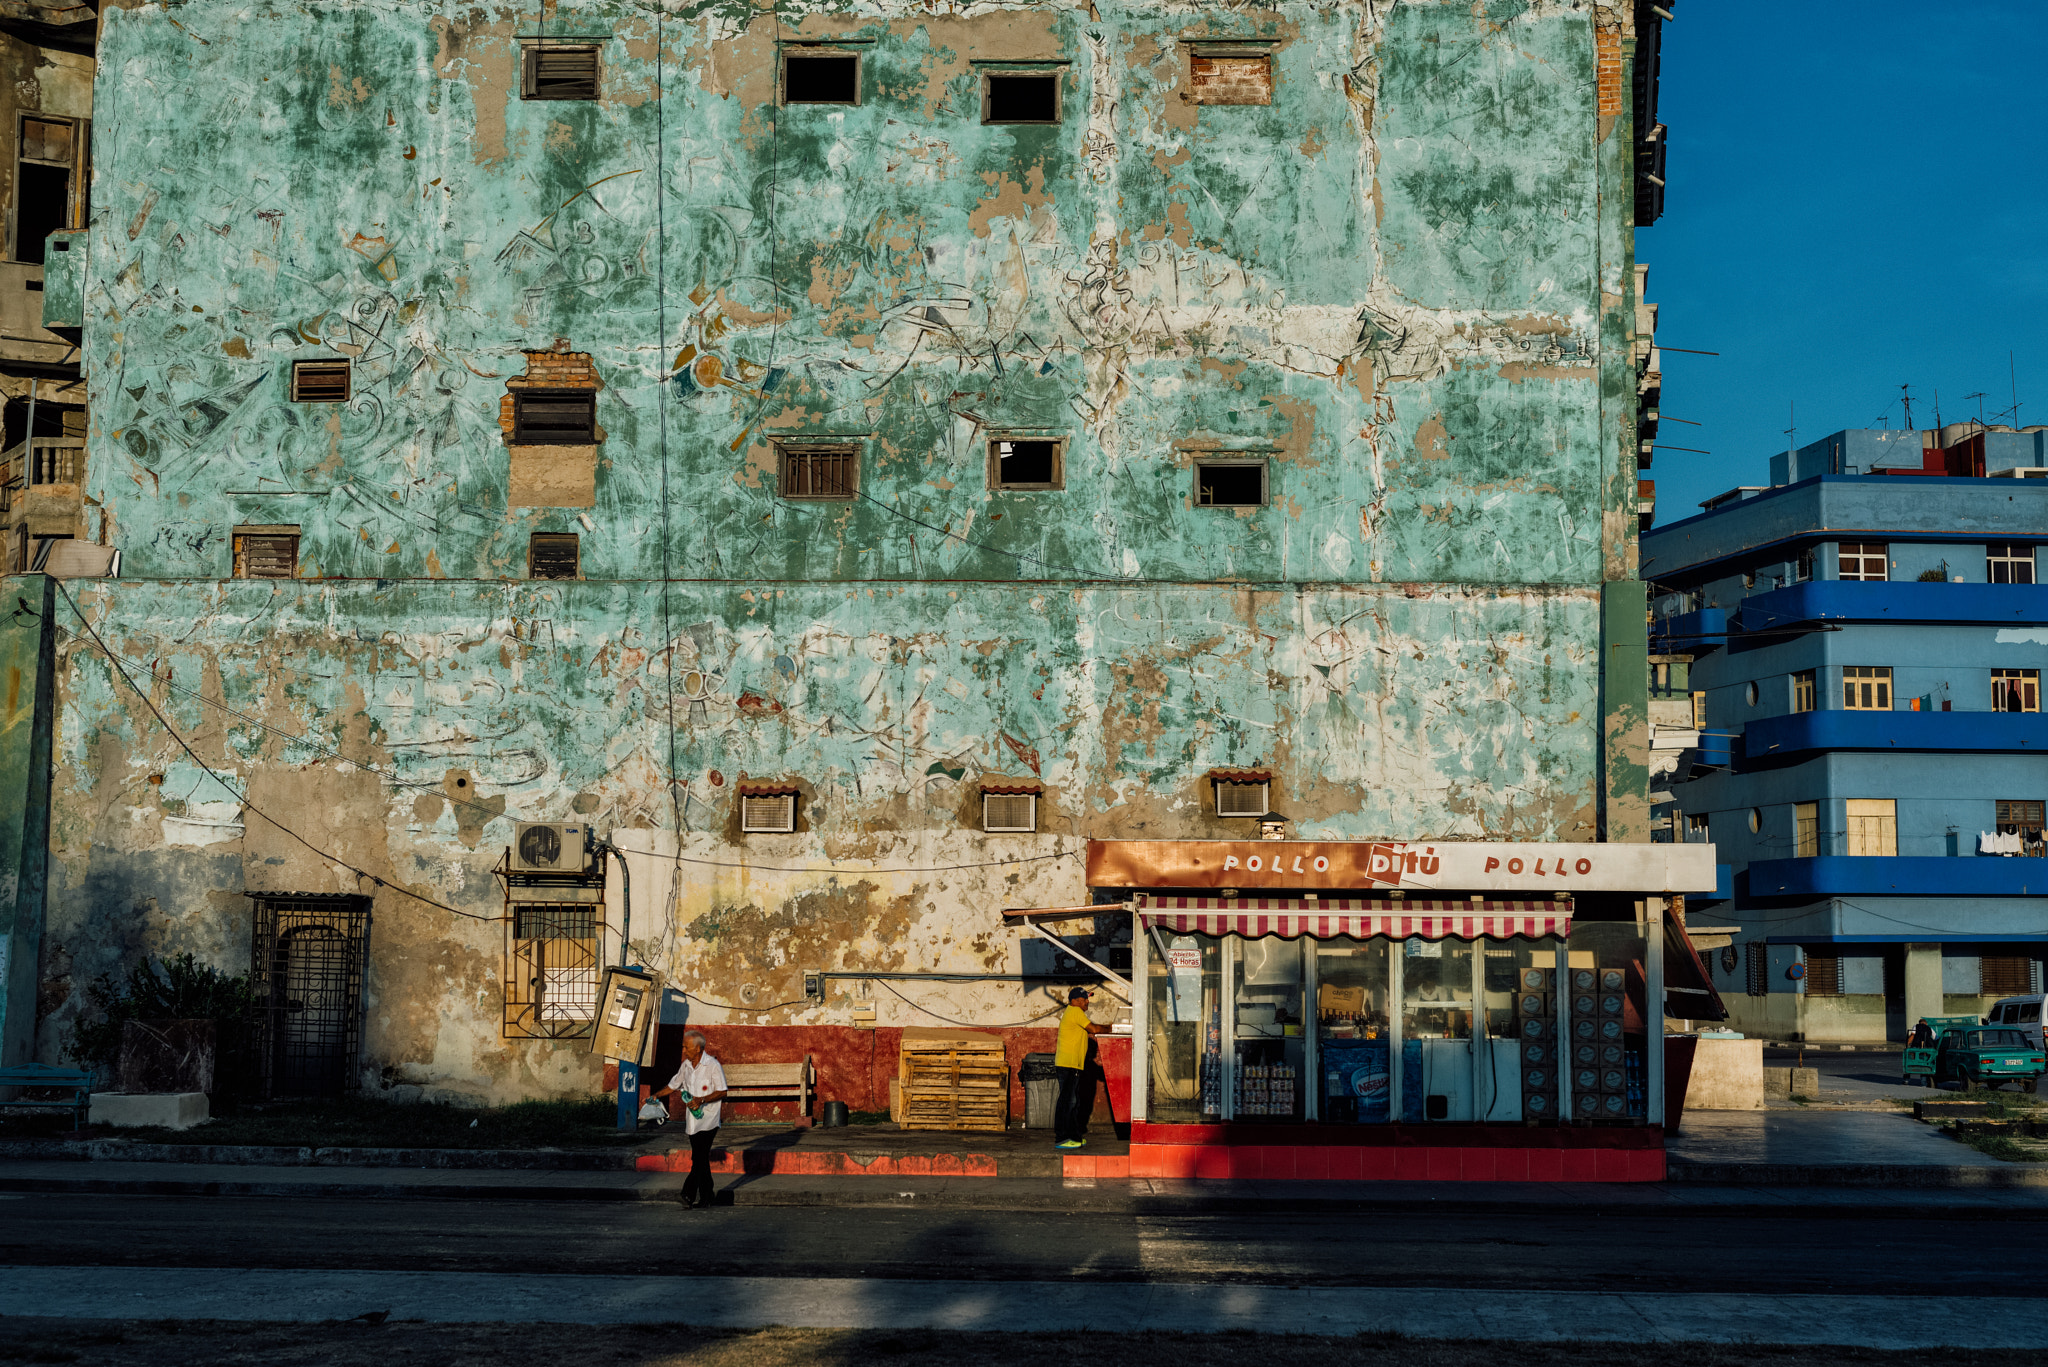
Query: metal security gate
{"x": 309, "y": 956}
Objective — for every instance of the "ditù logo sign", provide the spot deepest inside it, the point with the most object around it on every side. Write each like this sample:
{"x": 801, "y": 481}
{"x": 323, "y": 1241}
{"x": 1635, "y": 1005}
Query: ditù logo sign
{"x": 1349, "y": 865}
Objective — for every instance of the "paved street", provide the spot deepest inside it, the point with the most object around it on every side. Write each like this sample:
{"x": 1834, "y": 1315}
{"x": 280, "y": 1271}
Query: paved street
{"x": 1804, "y": 1251}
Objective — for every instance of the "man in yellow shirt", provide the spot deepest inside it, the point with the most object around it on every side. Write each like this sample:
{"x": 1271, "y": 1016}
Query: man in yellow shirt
{"x": 1070, "y": 1061}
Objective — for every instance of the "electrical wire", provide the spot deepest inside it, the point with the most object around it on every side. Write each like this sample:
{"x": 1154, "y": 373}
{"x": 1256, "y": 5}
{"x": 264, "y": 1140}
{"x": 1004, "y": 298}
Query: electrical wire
{"x": 973, "y": 1025}
{"x": 729, "y": 1006}
{"x": 983, "y": 545}
{"x": 242, "y": 798}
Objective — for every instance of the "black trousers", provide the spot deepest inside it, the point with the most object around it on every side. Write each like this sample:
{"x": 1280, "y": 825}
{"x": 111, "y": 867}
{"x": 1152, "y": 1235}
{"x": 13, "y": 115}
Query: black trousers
{"x": 1077, "y": 1101}
{"x": 697, "y": 1189}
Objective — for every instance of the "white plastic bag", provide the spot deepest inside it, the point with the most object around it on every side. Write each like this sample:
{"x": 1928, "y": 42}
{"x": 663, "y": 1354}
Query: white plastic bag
{"x": 652, "y": 1109}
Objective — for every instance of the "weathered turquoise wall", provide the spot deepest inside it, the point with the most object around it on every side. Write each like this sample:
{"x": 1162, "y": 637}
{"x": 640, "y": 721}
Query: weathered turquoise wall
{"x": 27, "y": 705}
{"x": 1401, "y": 283}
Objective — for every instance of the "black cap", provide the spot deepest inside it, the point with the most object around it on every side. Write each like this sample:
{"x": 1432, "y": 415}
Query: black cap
{"x": 1077, "y": 992}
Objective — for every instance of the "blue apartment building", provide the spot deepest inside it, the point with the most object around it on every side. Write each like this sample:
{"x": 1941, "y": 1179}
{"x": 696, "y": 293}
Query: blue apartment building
{"x": 1859, "y": 648}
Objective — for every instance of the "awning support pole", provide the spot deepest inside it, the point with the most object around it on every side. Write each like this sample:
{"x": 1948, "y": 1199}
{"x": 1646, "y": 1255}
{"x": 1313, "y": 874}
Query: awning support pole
{"x": 1653, "y": 1025}
{"x": 1074, "y": 953}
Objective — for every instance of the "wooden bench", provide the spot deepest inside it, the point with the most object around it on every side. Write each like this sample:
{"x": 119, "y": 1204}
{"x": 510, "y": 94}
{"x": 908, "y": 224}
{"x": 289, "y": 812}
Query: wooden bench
{"x": 42, "y": 1075}
{"x": 772, "y": 1082}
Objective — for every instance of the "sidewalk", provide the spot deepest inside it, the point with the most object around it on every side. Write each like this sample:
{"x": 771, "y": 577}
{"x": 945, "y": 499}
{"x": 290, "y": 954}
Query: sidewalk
{"x": 1843, "y": 1148}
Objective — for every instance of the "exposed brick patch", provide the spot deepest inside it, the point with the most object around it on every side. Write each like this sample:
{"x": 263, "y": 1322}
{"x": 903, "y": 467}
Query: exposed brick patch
{"x": 556, "y": 368}
{"x": 1608, "y": 49}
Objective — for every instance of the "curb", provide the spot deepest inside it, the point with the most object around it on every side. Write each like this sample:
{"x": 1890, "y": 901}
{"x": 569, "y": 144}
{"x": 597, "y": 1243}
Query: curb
{"x": 287, "y": 1156}
{"x": 1920, "y": 1176}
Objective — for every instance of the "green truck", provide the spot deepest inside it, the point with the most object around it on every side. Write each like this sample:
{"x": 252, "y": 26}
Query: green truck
{"x": 1972, "y": 1054}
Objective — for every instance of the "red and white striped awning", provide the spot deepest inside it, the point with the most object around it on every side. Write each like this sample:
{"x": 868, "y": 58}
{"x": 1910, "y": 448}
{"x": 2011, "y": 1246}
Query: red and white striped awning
{"x": 1412, "y": 918}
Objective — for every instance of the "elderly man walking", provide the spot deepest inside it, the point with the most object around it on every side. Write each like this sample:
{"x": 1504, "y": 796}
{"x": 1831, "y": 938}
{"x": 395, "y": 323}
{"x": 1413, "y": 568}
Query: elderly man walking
{"x": 701, "y": 1080}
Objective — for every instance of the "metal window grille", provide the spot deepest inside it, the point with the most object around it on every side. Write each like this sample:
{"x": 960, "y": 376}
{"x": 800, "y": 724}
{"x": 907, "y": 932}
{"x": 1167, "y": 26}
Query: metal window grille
{"x": 769, "y": 813}
{"x": 2026, "y": 820}
{"x": 547, "y": 418}
{"x": 2005, "y": 975}
{"x": 1803, "y": 691}
{"x": 54, "y": 462}
{"x": 551, "y": 970}
{"x": 2009, "y": 562}
{"x": 553, "y": 555}
{"x": 1242, "y": 799}
{"x": 1009, "y": 812}
{"x": 1823, "y": 977}
{"x": 1757, "y": 960}
{"x": 1864, "y": 560}
{"x": 266, "y": 555}
{"x": 2015, "y": 690}
{"x": 820, "y": 471}
{"x": 320, "y": 381}
{"x": 559, "y": 73}
{"x": 1867, "y": 688}
{"x": 309, "y": 958}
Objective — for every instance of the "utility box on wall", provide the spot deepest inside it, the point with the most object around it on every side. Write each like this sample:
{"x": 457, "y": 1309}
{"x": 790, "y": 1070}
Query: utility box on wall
{"x": 628, "y": 1008}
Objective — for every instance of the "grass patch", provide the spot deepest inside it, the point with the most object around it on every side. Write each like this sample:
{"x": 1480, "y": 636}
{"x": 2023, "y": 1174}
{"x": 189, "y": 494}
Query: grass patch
{"x": 357, "y": 1344}
{"x": 365, "y": 1122}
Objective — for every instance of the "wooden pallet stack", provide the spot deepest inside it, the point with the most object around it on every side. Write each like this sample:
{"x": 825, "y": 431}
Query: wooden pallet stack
{"x": 953, "y": 1080}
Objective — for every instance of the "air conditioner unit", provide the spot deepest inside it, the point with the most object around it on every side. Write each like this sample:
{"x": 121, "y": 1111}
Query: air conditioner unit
{"x": 550, "y": 847}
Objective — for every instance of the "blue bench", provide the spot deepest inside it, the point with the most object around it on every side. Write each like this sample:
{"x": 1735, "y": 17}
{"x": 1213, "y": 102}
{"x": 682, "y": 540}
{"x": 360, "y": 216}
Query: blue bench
{"x": 43, "y": 1075}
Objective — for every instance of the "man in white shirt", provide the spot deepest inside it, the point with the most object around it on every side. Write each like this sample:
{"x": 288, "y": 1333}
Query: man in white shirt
{"x": 701, "y": 1080}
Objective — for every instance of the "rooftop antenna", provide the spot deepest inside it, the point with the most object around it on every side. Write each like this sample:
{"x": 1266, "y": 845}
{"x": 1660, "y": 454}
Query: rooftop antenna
{"x": 1791, "y": 431}
{"x": 2013, "y": 374}
{"x": 1906, "y": 398}
{"x": 1979, "y": 397}
{"x": 1937, "y": 411}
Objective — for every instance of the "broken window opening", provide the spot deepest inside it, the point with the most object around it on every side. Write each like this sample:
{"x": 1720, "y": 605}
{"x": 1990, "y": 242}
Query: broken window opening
{"x": 559, "y": 73}
{"x": 1230, "y": 483}
{"x": 820, "y": 472}
{"x": 1014, "y": 97}
{"x": 768, "y": 814}
{"x": 820, "y": 78}
{"x": 266, "y": 553}
{"x": 320, "y": 381}
{"x": 49, "y": 182}
{"x": 1226, "y": 76}
{"x": 553, "y": 555}
{"x": 554, "y": 418}
{"x": 1027, "y": 463}
{"x": 1006, "y": 813}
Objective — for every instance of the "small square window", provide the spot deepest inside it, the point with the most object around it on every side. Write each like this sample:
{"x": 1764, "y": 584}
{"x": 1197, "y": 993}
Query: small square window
{"x": 553, "y": 555}
{"x": 1009, "y": 812}
{"x": 1228, "y": 75}
{"x": 820, "y": 77}
{"x": 2009, "y": 562}
{"x": 1026, "y": 463}
{"x": 320, "y": 381}
{"x": 543, "y": 417}
{"x": 266, "y": 552}
{"x": 768, "y": 813}
{"x": 1242, "y": 799}
{"x": 1230, "y": 483}
{"x": 1020, "y": 97}
{"x": 1864, "y": 560}
{"x": 1867, "y": 688}
{"x": 820, "y": 472}
{"x": 554, "y": 72}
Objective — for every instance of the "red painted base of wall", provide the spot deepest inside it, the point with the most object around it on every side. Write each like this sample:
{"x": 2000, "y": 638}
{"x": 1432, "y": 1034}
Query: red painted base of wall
{"x": 1391, "y": 1153}
{"x": 766, "y": 1162}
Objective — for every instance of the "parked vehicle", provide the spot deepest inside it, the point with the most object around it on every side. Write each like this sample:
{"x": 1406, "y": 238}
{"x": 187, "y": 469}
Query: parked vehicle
{"x": 2023, "y": 1012}
{"x": 1974, "y": 1055}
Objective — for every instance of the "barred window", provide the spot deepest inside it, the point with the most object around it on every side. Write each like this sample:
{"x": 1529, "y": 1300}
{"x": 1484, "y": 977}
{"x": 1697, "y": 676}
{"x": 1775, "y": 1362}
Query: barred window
{"x": 552, "y": 970}
{"x": 1757, "y": 957}
{"x": 820, "y": 472}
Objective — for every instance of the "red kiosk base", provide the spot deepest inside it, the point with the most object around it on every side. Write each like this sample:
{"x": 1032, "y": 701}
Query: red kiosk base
{"x": 1395, "y": 1153}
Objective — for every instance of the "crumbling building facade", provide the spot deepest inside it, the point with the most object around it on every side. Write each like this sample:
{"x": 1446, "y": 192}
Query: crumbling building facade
{"x": 852, "y": 458}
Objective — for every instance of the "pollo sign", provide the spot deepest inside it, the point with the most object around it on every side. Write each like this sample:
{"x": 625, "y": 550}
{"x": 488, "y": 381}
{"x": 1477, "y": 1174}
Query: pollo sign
{"x": 1442, "y": 865}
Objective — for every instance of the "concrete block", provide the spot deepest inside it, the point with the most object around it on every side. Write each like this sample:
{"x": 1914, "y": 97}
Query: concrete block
{"x": 1782, "y": 1084}
{"x": 171, "y": 1110}
{"x": 1727, "y": 1075}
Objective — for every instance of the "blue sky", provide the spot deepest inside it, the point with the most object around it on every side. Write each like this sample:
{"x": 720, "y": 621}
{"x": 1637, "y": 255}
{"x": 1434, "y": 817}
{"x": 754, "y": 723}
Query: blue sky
{"x": 1857, "y": 199}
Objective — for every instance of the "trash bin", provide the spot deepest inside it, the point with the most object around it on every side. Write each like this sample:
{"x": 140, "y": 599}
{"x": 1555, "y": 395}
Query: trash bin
{"x": 1041, "y": 1091}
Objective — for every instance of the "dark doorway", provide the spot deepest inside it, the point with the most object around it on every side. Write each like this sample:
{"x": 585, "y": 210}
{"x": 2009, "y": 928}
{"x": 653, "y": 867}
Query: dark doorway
{"x": 42, "y": 206}
{"x": 309, "y": 957}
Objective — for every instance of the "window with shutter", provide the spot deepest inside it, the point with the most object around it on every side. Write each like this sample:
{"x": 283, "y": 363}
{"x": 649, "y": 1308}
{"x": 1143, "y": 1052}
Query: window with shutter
{"x": 267, "y": 554}
{"x": 320, "y": 381}
{"x": 769, "y": 813}
{"x": 560, "y": 72}
{"x": 1009, "y": 812}
{"x": 1873, "y": 827}
{"x": 1805, "y": 829}
{"x": 1241, "y": 799}
{"x": 820, "y": 472}
{"x": 1757, "y": 963}
{"x": 1823, "y": 977}
{"x": 552, "y": 555}
{"x": 554, "y": 418}
{"x": 2005, "y": 976}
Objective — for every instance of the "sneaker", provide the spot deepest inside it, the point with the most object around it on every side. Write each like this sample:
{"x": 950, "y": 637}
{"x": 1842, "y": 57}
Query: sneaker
{"x": 1070, "y": 1143}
